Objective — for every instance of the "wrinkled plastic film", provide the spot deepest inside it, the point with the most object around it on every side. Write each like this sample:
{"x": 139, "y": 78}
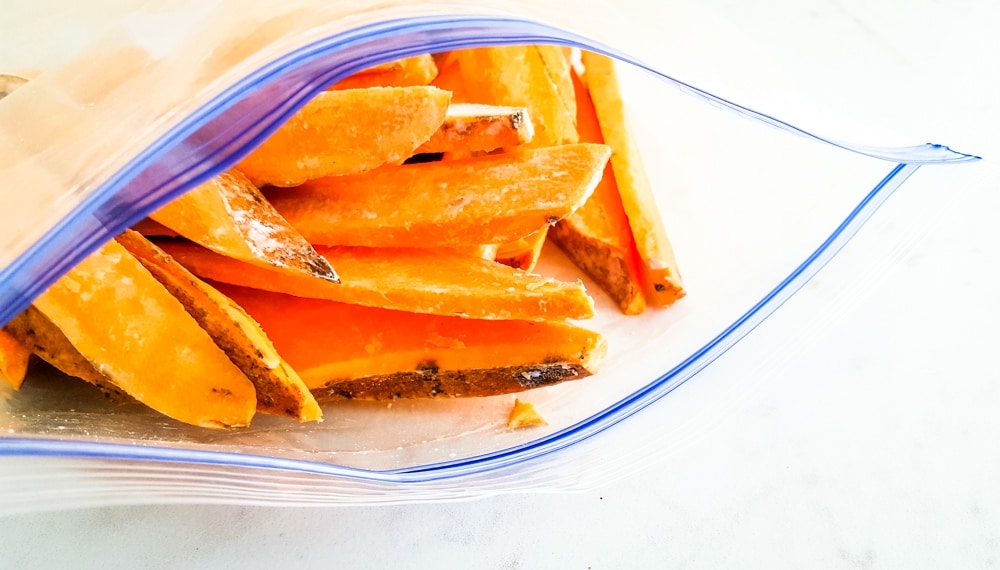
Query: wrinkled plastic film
{"x": 750, "y": 228}
{"x": 168, "y": 116}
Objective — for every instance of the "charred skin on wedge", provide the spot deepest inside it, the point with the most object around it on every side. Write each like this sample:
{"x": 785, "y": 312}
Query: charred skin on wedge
{"x": 378, "y": 353}
{"x": 45, "y": 340}
{"x": 430, "y": 382}
{"x": 280, "y": 391}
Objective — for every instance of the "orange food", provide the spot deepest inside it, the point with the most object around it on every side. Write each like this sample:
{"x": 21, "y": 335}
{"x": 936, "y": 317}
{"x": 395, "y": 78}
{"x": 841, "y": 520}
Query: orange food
{"x": 523, "y": 253}
{"x": 532, "y": 76}
{"x": 351, "y": 351}
{"x": 408, "y": 279}
{"x": 44, "y": 339}
{"x": 228, "y": 214}
{"x": 346, "y": 132}
{"x": 13, "y": 359}
{"x": 449, "y": 77}
{"x": 473, "y": 128}
{"x": 524, "y": 414}
{"x": 280, "y": 391}
{"x": 661, "y": 276}
{"x": 417, "y": 70}
{"x": 487, "y": 199}
{"x": 151, "y": 228}
{"x": 597, "y": 237}
{"x": 119, "y": 317}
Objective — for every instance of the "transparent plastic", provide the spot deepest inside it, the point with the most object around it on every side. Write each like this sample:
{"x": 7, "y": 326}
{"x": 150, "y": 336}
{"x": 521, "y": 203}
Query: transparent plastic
{"x": 753, "y": 214}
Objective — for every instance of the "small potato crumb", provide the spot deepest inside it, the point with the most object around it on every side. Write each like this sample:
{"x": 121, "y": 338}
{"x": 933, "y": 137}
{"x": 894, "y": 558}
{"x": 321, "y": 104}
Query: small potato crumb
{"x": 524, "y": 414}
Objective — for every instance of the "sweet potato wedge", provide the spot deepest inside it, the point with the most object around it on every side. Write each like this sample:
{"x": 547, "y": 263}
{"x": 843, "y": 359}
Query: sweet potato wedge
{"x": 449, "y": 76}
{"x": 470, "y": 128}
{"x": 347, "y": 132}
{"x": 532, "y": 76}
{"x": 379, "y": 354}
{"x": 280, "y": 391}
{"x": 228, "y": 214}
{"x": 417, "y": 70}
{"x": 151, "y": 228}
{"x": 661, "y": 276}
{"x": 486, "y": 199}
{"x": 121, "y": 320}
{"x": 522, "y": 254}
{"x": 408, "y": 279}
{"x": 597, "y": 237}
{"x": 40, "y": 335}
{"x": 13, "y": 359}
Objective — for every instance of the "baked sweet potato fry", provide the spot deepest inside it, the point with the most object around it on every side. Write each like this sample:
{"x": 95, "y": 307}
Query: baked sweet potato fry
{"x": 280, "y": 391}
{"x": 523, "y": 253}
{"x": 662, "y": 278}
{"x": 228, "y": 214}
{"x": 408, "y": 279}
{"x": 379, "y": 354}
{"x": 121, "y": 320}
{"x": 40, "y": 335}
{"x": 347, "y": 132}
{"x": 151, "y": 228}
{"x": 532, "y": 76}
{"x": 13, "y": 359}
{"x": 487, "y": 199}
{"x": 473, "y": 128}
{"x": 597, "y": 237}
{"x": 449, "y": 76}
{"x": 417, "y": 70}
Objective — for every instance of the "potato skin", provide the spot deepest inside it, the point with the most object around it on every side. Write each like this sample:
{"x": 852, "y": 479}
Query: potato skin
{"x": 429, "y": 382}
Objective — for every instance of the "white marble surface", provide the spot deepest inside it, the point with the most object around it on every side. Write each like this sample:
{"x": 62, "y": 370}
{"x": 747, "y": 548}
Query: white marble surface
{"x": 872, "y": 444}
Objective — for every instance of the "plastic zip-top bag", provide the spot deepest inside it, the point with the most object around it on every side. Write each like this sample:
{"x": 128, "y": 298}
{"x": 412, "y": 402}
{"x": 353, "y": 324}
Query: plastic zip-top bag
{"x": 149, "y": 101}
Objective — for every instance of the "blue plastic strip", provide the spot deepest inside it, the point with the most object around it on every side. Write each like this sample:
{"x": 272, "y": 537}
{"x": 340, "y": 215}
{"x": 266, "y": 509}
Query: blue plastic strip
{"x": 533, "y": 450}
{"x": 229, "y": 126}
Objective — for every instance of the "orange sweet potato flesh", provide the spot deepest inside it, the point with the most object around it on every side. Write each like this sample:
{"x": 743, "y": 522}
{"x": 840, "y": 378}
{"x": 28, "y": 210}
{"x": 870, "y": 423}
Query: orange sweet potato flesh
{"x": 471, "y": 128}
{"x": 533, "y": 76}
{"x": 597, "y": 237}
{"x": 150, "y": 228}
{"x": 346, "y": 132}
{"x": 408, "y": 279}
{"x": 280, "y": 391}
{"x": 523, "y": 254}
{"x": 486, "y": 199}
{"x": 350, "y": 351}
{"x": 44, "y": 339}
{"x": 228, "y": 214}
{"x": 417, "y": 70}
{"x": 13, "y": 359}
{"x": 124, "y": 322}
{"x": 661, "y": 276}
{"x": 449, "y": 76}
